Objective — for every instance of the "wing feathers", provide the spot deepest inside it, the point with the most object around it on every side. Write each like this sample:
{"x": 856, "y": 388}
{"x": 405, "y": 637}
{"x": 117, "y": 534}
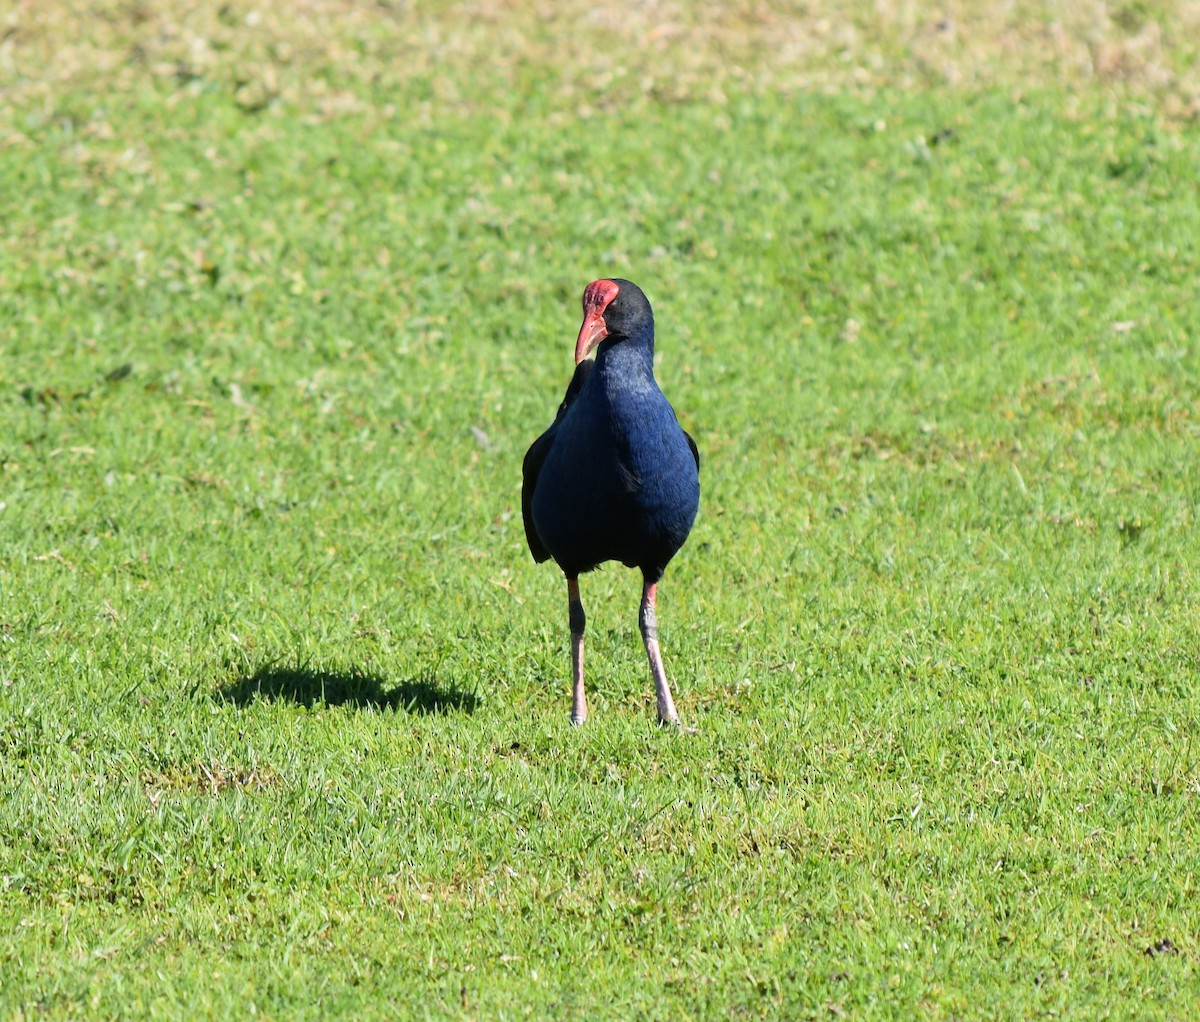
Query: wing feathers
{"x": 536, "y": 455}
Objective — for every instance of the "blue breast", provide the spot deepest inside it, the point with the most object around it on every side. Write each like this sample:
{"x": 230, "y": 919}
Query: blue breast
{"x": 620, "y": 480}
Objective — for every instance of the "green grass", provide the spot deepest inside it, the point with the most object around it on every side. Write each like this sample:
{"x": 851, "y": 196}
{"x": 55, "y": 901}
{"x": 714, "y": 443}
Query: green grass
{"x": 283, "y": 699}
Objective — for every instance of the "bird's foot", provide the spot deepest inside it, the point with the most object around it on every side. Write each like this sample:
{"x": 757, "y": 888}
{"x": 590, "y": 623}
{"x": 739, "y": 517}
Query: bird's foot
{"x": 578, "y": 719}
{"x": 674, "y": 724}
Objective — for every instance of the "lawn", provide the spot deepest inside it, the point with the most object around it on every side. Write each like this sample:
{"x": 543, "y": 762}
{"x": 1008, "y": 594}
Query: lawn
{"x": 283, "y": 698}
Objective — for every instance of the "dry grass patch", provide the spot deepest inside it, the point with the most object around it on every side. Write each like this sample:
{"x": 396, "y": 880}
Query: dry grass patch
{"x": 210, "y": 777}
{"x": 335, "y": 56}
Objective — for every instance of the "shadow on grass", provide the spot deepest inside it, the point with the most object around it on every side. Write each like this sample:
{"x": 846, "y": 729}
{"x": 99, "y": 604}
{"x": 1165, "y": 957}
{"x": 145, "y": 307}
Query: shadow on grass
{"x": 309, "y": 686}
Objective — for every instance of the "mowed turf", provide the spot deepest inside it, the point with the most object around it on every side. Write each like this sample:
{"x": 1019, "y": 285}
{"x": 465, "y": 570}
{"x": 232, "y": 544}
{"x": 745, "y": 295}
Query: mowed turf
{"x": 284, "y": 699}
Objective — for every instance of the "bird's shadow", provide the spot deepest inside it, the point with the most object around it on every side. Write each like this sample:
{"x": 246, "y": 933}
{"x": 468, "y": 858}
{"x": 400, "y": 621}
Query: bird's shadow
{"x": 310, "y": 686}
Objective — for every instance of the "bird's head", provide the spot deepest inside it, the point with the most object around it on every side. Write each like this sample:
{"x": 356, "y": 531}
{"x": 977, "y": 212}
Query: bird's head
{"x": 615, "y": 309}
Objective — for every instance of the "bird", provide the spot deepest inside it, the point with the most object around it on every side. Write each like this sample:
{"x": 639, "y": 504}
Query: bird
{"x": 614, "y": 477}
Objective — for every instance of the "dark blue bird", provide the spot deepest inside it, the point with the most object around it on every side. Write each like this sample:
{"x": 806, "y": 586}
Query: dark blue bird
{"x": 615, "y": 477}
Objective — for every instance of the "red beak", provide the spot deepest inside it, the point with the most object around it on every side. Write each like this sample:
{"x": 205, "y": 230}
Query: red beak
{"x": 597, "y": 297}
{"x": 593, "y": 331}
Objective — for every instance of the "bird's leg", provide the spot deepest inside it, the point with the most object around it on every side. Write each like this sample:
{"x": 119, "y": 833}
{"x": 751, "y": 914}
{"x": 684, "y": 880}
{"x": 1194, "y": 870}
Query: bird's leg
{"x": 578, "y": 620}
{"x": 648, "y": 622}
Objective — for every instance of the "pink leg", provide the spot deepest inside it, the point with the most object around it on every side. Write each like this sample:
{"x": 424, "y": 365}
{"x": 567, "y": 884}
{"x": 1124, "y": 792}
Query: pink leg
{"x": 578, "y": 697}
{"x": 648, "y": 622}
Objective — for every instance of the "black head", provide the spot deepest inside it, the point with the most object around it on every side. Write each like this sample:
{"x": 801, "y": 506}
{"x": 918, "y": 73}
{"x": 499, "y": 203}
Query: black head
{"x": 616, "y": 309}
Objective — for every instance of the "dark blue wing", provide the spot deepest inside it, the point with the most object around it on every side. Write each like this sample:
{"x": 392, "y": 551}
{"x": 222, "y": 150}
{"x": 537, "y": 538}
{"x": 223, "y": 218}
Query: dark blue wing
{"x": 536, "y": 455}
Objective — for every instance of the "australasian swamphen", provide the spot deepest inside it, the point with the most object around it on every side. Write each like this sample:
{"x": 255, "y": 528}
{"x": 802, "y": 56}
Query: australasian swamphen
{"x": 615, "y": 477}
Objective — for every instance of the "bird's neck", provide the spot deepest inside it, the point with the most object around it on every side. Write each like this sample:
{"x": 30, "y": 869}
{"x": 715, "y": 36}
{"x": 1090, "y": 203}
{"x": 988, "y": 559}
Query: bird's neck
{"x": 633, "y": 356}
